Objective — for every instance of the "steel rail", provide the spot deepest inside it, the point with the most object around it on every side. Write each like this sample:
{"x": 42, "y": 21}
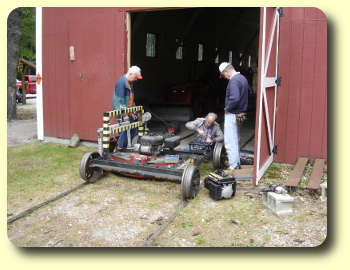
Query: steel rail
{"x": 182, "y": 204}
{"x": 45, "y": 203}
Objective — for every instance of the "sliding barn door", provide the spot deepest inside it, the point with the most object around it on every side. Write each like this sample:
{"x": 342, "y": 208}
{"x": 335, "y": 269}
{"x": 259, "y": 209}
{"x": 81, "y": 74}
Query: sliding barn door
{"x": 266, "y": 91}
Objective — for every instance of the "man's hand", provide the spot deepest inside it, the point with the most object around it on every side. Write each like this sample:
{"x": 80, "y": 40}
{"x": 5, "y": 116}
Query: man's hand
{"x": 201, "y": 132}
{"x": 241, "y": 117}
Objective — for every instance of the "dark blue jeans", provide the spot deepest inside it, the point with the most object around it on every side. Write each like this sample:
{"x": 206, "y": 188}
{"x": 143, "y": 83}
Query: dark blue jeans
{"x": 123, "y": 136}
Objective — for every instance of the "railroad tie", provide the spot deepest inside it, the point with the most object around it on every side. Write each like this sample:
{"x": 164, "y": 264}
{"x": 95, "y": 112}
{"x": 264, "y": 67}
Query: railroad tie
{"x": 316, "y": 174}
{"x": 297, "y": 173}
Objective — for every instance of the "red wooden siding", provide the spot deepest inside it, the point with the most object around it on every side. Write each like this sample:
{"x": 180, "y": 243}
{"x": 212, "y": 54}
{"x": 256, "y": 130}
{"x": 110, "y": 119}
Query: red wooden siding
{"x": 55, "y": 73}
{"x": 75, "y": 104}
{"x": 301, "y": 128}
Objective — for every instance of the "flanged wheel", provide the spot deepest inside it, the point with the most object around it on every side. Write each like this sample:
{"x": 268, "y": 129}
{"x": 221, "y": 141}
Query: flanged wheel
{"x": 219, "y": 156}
{"x": 89, "y": 174}
{"x": 190, "y": 182}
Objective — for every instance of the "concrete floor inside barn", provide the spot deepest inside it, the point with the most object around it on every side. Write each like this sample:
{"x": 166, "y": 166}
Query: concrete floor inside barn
{"x": 247, "y": 130}
{"x": 158, "y": 127}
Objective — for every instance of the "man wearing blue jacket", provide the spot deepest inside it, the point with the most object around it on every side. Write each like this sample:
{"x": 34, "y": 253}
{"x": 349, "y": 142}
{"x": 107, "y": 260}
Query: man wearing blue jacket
{"x": 123, "y": 97}
{"x": 236, "y": 105}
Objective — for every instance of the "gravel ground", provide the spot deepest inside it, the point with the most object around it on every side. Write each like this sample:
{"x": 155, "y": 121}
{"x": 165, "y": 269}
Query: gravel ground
{"x": 23, "y": 131}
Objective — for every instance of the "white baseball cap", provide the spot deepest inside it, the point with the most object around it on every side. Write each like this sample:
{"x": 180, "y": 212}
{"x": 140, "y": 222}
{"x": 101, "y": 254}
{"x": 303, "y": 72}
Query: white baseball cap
{"x": 136, "y": 70}
{"x": 223, "y": 65}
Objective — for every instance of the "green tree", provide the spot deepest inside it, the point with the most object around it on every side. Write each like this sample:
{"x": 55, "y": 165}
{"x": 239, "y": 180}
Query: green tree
{"x": 26, "y": 48}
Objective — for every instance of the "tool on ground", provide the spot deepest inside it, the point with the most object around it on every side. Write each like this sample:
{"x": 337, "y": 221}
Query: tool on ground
{"x": 275, "y": 188}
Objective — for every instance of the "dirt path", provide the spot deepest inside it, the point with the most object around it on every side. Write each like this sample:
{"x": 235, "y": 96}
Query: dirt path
{"x": 23, "y": 130}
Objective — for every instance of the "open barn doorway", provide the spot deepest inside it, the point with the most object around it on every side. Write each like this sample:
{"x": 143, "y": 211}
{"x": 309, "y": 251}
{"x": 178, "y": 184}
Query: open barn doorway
{"x": 179, "y": 52}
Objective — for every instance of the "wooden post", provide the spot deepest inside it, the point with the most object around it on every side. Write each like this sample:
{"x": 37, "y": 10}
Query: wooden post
{"x": 24, "y": 95}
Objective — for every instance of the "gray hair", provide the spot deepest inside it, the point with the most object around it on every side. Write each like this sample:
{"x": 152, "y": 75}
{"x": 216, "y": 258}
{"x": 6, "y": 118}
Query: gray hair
{"x": 214, "y": 115}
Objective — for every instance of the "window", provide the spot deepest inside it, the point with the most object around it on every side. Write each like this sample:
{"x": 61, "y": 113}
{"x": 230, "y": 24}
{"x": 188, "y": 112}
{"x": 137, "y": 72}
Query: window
{"x": 217, "y": 56}
{"x": 151, "y": 45}
{"x": 230, "y": 56}
{"x": 200, "y": 52}
{"x": 179, "y": 51}
{"x": 249, "y": 61}
{"x": 240, "y": 56}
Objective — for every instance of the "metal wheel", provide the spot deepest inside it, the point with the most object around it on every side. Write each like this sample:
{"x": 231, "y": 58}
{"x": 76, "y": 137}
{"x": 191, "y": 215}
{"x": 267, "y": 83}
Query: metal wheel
{"x": 190, "y": 182}
{"x": 89, "y": 174}
{"x": 219, "y": 156}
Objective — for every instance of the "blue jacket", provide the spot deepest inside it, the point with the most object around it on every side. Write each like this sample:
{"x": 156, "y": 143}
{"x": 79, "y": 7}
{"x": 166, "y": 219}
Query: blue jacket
{"x": 237, "y": 93}
{"x": 121, "y": 95}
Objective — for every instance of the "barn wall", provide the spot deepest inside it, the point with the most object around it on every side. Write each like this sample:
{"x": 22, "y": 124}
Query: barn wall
{"x": 75, "y": 103}
{"x": 301, "y": 120}
{"x": 76, "y": 93}
{"x": 55, "y": 72}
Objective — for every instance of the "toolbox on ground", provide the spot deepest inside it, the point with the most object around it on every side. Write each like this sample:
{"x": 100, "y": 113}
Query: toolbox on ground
{"x": 220, "y": 185}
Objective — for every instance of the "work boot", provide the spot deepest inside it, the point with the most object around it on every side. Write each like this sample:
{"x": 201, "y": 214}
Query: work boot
{"x": 231, "y": 170}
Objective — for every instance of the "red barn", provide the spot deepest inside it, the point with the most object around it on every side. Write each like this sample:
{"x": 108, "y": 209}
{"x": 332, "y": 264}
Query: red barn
{"x": 283, "y": 52}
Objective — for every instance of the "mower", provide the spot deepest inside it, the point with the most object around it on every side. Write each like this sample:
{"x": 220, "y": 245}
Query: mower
{"x": 148, "y": 156}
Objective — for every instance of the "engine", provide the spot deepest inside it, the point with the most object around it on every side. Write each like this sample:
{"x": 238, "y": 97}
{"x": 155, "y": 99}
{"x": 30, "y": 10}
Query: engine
{"x": 151, "y": 144}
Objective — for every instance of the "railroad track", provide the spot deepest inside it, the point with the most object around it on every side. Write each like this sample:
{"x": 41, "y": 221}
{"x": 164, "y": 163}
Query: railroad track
{"x": 28, "y": 211}
{"x": 181, "y": 205}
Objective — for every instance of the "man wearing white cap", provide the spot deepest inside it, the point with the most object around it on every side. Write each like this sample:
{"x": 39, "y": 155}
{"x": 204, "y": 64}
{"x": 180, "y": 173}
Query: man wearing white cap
{"x": 123, "y": 97}
{"x": 236, "y": 104}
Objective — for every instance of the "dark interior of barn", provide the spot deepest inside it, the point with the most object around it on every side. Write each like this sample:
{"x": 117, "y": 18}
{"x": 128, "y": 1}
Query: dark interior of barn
{"x": 179, "y": 52}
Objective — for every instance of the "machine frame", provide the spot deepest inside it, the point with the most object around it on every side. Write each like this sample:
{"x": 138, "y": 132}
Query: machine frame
{"x": 184, "y": 170}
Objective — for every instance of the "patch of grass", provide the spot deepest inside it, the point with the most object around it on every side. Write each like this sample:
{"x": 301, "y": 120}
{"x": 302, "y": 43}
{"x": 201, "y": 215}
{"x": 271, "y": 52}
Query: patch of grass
{"x": 206, "y": 168}
{"x": 264, "y": 220}
{"x": 153, "y": 204}
{"x": 306, "y": 177}
{"x": 304, "y": 217}
{"x": 33, "y": 168}
{"x": 200, "y": 240}
{"x": 252, "y": 243}
{"x": 26, "y": 113}
{"x": 184, "y": 210}
{"x": 274, "y": 171}
{"x": 187, "y": 224}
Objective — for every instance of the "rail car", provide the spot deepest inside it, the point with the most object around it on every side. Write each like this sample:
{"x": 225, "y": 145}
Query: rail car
{"x": 149, "y": 155}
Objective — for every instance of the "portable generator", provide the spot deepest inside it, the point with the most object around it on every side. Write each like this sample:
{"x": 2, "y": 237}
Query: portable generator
{"x": 221, "y": 185}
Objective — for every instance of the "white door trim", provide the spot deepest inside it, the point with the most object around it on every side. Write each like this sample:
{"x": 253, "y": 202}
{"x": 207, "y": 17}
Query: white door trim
{"x": 267, "y": 82}
{"x": 39, "y": 88}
